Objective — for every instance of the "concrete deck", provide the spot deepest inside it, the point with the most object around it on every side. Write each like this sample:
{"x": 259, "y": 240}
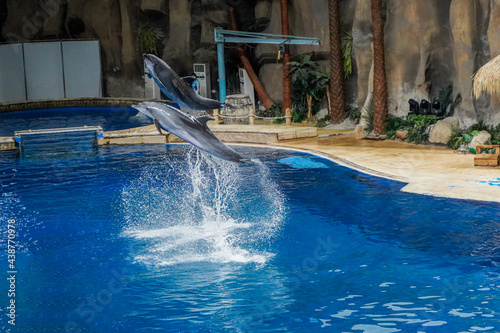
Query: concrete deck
{"x": 256, "y": 134}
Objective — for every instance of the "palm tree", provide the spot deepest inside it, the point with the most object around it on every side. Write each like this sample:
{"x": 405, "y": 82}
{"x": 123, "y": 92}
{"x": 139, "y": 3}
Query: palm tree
{"x": 287, "y": 99}
{"x": 379, "y": 78}
{"x": 336, "y": 100}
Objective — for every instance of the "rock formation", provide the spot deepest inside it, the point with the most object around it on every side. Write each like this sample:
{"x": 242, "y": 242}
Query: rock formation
{"x": 430, "y": 45}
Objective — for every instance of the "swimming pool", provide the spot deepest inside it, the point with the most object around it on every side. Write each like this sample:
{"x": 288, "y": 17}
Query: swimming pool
{"x": 109, "y": 118}
{"x": 157, "y": 238}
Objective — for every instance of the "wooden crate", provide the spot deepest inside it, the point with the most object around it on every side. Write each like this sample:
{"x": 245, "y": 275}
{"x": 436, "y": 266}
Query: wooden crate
{"x": 487, "y": 159}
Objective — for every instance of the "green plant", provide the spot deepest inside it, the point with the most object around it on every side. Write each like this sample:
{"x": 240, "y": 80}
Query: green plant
{"x": 445, "y": 97}
{"x": 273, "y": 112}
{"x": 297, "y": 117}
{"x": 469, "y": 135}
{"x": 456, "y": 140}
{"x": 421, "y": 120}
{"x": 417, "y": 127}
{"x": 352, "y": 112}
{"x": 307, "y": 82}
{"x": 347, "y": 54}
{"x": 480, "y": 126}
{"x": 320, "y": 83}
{"x": 369, "y": 117}
{"x": 323, "y": 122}
{"x": 417, "y": 134}
{"x": 148, "y": 36}
{"x": 495, "y": 134}
{"x": 459, "y": 138}
{"x": 393, "y": 124}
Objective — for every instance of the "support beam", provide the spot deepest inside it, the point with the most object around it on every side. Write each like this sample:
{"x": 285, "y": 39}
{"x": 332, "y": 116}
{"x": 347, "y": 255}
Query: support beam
{"x": 222, "y": 72}
{"x": 230, "y": 36}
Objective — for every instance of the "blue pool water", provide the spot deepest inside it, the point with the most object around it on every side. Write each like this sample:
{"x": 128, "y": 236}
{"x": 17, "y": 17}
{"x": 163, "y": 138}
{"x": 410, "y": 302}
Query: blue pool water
{"x": 109, "y": 118}
{"x": 160, "y": 239}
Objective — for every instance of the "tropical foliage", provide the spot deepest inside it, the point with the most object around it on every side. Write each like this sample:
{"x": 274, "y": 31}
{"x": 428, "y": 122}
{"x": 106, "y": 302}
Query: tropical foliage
{"x": 353, "y": 112}
{"x": 148, "y": 37}
{"x": 308, "y": 84}
{"x": 274, "y": 111}
{"x": 448, "y": 104}
{"x": 369, "y": 117}
{"x": 465, "y": 137}
{"x": 347, "y": 54}
{"x": 417, "y": 126}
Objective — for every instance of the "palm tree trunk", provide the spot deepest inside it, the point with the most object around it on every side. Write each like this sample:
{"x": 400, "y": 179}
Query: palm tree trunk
{"x": 309, "y": 106}
{"x": 287, "y": 100}
{"x": 337, "y": 110}
{"x": 379, "y": 78}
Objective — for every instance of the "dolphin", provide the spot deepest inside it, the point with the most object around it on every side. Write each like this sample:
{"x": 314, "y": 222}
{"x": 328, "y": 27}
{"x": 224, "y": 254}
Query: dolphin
{"x": 174, "y": 87}
{"x": 190, "y": 129}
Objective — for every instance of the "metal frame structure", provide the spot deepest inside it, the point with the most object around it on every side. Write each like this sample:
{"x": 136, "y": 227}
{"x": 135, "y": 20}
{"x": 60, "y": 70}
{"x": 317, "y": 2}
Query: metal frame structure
{"x": 230, "y": 36}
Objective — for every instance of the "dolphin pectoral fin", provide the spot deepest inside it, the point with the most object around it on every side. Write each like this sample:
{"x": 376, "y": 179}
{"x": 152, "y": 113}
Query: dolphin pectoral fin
{"x": 188, "y": 80}
{"x": 204, "y": 119}
{"x": 157, "y": 125}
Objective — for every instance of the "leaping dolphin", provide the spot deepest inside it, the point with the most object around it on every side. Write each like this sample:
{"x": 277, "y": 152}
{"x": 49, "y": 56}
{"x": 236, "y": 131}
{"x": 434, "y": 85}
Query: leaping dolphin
{"x": 175, "y": 88}
{"x": 190, "y": 129}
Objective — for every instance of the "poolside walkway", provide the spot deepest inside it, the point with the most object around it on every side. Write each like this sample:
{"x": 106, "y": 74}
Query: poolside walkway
{"x": 427, "y": 169}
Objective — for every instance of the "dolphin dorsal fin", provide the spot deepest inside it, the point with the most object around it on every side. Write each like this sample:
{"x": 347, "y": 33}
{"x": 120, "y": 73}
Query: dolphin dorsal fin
{"x": 157, "y": 125}
{"x": 203, "y": 119}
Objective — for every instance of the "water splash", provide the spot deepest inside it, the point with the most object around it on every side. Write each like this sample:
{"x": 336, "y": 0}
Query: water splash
{"x": 195, "y": 208}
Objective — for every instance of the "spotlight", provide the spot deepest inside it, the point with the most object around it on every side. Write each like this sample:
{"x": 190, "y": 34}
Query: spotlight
{"x": 414, "y": 108}
{"x": 436, "y": 108}
{"x": 425, "y": 107}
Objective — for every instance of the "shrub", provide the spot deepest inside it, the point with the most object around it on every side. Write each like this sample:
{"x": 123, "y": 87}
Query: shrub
{"x": 446, "y": 99}
{"x": 393, "y": 124}
{"x": 369, "y": 117}
{"x": 323, "y": 122}
{"x": 274, "y": 111}
{"x": 495, "y": 134}
{"x": 353, "y": 112}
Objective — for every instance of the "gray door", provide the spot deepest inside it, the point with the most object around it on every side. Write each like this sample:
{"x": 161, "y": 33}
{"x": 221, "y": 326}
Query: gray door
{"x": 82, "y": 69}
{"x": 44, "y": 70}
{"x": 12, "y": 81}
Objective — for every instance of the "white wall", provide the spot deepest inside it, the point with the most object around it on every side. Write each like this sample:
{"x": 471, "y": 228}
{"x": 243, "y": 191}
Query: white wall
{"x": 12, "y": 80}
{"x": 49, "y": 70}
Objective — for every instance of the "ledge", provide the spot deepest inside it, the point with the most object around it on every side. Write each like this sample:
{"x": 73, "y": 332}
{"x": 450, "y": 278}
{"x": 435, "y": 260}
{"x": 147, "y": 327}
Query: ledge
{"x": 68, "y": 102}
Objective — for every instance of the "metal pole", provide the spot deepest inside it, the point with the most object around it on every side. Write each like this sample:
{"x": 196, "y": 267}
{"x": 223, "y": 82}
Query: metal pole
{"x": 222, "y": 72}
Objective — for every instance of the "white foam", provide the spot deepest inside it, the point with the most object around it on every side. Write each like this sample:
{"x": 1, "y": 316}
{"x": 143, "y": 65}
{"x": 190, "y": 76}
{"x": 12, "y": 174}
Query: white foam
{"x": 196, "y": 212}
{"x": 460, "y": 313}
{"x": 374, "y": 329}
{"x": 343, "y": 314}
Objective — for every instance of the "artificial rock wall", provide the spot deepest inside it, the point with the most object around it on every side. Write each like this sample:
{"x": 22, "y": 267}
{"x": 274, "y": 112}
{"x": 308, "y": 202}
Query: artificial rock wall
{"x": 430, "y": 44}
